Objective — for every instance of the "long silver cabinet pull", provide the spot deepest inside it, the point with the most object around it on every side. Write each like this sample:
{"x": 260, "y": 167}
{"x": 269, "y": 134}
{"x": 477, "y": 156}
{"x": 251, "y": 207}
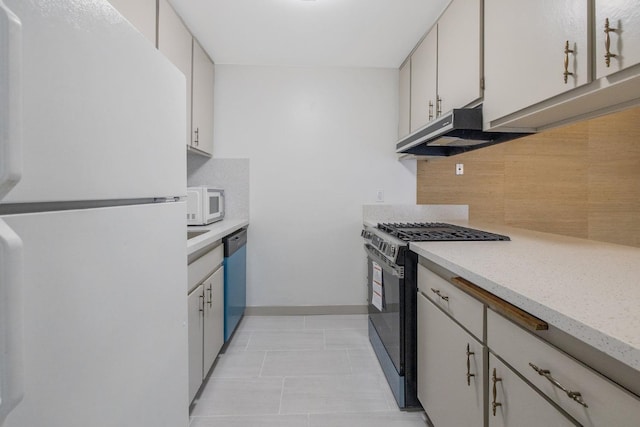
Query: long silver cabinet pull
{"x": 437, "y": 292}
{"x": 10, "y": 100}
{"x": 11, "y": 362}
{"x": 495, "y": 380}
{"x": 572, "y": 394}
{"x": 469, "y": 374}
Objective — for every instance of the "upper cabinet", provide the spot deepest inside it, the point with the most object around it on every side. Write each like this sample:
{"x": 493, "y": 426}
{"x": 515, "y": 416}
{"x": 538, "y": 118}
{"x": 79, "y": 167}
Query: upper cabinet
{"x": 617, "y": 28}
{"x": 404, "y": 99}
{"x": 141, "y": 14}
{"x": 534, "y": 50}
{"x": 184, "y": 51}
{"x": 459, "y": 55}
{"x": 175, "y": 42}
{"x": 202, "y": 100}
{"x": 446, "y": 67}
{"x": 424, "y": 80}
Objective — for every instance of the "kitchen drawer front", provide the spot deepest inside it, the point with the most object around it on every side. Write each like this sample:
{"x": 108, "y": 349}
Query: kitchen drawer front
{"x": 201, "y": 268}
{"x": 514, "y": 403}
{"x": 608, "y": 404}
{"x": 465, "y": 309}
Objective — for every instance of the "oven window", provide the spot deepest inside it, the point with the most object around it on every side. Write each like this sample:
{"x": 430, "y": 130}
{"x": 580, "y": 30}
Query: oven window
{"x": 387, "y": 322}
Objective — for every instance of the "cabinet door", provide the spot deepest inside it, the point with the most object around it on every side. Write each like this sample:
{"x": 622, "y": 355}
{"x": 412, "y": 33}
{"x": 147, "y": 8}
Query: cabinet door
{"x": 516, "y": 403}
{"x": 141, "y": 14}
{"x": 175, "y": 42}
{"x": 195, "y": 304}
{"x": 404, "y": 100}
{"x": 202, "y": 112}
{"x": 525, "y": 56}
{"x": 424, "y": 69}
{"x": 450, "y": 369}
{"x": 213, "y": 318}
{"x": 459, "y": 53}
{"x": 624, "y": 35}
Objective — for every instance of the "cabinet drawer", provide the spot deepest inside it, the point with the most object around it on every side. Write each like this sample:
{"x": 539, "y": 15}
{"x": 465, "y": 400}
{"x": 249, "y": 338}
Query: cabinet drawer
{"x": 608, "y": 404}
{"x": 513, "y": 403}
{"x": 466, "y": 310}
{"x": 201, "y": 268}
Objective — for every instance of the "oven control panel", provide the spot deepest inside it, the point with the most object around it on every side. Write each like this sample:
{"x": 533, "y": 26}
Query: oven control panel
{"x": 389, "y": 249}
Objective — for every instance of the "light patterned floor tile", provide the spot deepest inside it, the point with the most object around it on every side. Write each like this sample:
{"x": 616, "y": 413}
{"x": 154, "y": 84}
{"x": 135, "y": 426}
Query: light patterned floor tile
{"x": 403, "y": 419}
{"x": 252, "y": 421}
{"x": 271, "y": 323}
{"x": 350, "y": 321}
{"x": 286, "y": 340}
{"x": 346, "y": 338}
{"x": 304, "y": 363}
{"x": 239, "y": 396}
{"x": 245, "y": 364}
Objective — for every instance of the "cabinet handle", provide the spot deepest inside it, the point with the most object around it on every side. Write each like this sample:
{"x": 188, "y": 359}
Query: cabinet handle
{"x": 210, "y": 295}
{"x": 572, "y": 394}
{"x": 438, "y": 106}
{"x": 197, "y": 132}
{"x": 201, "y": 309}
{"x": 495, "y": 380}
{"x": 430, "y": 110}
{"x": 567, "y": 51}
{"x": 437, "y": 292}
{"x": 469, "y": 374}
{"x": 607, "y": 43}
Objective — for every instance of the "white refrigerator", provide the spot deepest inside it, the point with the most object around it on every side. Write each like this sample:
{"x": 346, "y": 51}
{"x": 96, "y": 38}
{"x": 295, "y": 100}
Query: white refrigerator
{"x": 93, "y": 271}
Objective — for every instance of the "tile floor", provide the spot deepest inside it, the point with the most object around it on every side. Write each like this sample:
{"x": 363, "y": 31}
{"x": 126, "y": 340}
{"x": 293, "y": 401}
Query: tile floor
{"x": 299, "y": 371}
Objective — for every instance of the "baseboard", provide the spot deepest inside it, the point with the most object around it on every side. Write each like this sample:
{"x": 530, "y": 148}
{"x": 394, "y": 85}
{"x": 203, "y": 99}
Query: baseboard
{"x": 305, "y": 310}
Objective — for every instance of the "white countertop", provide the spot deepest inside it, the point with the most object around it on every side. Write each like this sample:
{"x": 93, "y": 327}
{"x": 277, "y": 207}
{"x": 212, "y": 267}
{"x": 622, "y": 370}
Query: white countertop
{"x": 215, "y": 231}
{"x": 588, "y": 289}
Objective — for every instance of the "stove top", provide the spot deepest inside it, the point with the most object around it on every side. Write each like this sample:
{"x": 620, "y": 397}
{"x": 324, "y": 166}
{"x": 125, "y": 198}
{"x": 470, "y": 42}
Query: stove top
{"x": 436, "y": 231}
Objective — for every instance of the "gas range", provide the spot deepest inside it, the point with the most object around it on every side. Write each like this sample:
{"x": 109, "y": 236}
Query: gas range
{"x": 392, "y": 239}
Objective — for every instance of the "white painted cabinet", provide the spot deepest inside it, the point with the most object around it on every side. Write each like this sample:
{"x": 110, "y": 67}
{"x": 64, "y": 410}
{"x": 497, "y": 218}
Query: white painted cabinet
{"x": 205, "y": 284}
{"x": 459, "y": 55}
{"x": 175, "y": 42}
{"x": 446, "y": 67}
{"x": 424, "y": 75}
{"x": 513, "y": 403}
{"x": 213, "y": 319}
{"x": 534, "y": 50}
{"x": 582, "y": 393}
{"x": 195, "y": 304}
{"x": 404, "y": 100}
{"x": 450, "y": 369}
{"x": 618, "y": 43}
{"x": 202, "y": 99}
{"x": 141, "y": 14}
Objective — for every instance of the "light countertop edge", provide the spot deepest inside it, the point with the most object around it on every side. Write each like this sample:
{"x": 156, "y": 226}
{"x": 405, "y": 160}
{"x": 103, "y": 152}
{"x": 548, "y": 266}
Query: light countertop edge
{"x": 215, "y": 231}
{"x": 587, "y": 289}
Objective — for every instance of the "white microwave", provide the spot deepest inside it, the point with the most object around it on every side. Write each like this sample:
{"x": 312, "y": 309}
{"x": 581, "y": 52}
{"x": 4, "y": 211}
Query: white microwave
{"x": 204, "y": 205}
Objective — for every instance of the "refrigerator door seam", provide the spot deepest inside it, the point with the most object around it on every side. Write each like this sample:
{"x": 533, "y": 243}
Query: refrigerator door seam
{"x": 10, "y": 100}
{"x": 11, "y": 362}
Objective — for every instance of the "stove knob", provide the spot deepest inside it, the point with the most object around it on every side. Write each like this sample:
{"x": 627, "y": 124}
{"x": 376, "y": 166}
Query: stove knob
{"x": 383, "y": 246}
{"x": 392, "y": 250}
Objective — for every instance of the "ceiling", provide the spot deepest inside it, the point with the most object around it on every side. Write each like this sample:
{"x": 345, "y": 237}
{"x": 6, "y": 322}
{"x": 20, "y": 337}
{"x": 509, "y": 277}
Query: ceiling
{"x": 332, "y": 33}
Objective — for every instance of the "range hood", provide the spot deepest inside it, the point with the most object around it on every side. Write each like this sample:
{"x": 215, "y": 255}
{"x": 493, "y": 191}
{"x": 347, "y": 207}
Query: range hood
{"x": 458, "y": 131}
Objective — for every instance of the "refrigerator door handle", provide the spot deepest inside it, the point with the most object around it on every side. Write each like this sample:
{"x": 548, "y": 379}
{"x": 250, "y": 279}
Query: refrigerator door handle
{"x": 10, "y": 100}
{"x": 11, "y": 362}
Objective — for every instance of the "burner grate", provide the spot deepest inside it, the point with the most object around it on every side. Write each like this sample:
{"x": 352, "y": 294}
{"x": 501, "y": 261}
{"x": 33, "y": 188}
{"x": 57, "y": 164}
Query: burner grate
{"x": 437, "y": 231}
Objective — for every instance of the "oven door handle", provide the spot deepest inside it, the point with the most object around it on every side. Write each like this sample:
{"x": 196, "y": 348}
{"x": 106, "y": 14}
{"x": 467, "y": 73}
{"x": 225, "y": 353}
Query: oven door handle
{"x": 387, "y": 265}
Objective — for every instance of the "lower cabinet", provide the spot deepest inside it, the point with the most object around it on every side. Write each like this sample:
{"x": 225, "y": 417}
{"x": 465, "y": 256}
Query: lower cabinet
{"x": 479, "y": 364}
{"x": 206, "y": 315}
{"x": 513, "y": 403}
{"x": 213, "y": 334}
{"x": 450, "y": 369}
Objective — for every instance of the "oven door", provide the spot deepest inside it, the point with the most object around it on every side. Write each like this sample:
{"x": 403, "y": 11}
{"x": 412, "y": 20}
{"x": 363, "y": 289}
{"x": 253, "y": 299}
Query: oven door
{"x": 387, "y": 322}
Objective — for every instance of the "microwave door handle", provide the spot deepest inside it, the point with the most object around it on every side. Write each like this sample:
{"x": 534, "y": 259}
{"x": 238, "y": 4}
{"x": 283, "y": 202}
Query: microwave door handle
{"x": 11, "y": 364}
{"x": 10, "y": 102}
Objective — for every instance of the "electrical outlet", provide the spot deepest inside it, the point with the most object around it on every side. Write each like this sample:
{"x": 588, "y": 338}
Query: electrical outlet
{"x": 459, "y": 169}
{"x": 380, "y": 196}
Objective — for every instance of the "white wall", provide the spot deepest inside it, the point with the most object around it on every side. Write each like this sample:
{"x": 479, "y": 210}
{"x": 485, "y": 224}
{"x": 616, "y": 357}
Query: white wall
{"x": 320, "y": 143}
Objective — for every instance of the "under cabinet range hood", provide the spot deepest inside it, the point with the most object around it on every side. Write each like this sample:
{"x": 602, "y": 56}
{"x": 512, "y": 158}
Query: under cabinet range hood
{"x": 458, "y": 131}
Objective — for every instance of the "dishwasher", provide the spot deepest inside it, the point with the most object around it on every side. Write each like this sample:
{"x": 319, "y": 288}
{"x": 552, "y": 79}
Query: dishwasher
{"x": 235, "y": 280}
